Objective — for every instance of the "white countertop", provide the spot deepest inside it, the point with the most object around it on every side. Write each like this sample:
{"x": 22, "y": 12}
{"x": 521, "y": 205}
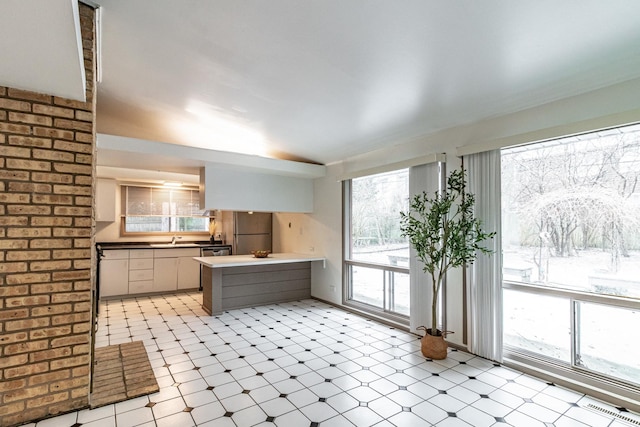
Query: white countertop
{"x": 246, "y": 260}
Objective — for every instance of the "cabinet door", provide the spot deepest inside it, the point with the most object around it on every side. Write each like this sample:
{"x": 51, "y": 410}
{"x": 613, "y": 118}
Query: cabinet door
{"x": 105, "y": 200}
{"x": 114, "y": 277}
{"x": 188, "y": 273}
{"x": 165, "y": 275}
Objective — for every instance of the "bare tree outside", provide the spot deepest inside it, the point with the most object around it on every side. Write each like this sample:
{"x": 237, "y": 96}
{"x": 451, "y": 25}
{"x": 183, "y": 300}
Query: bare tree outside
{"x": 381, "y": 277}
{"x": 571, "y": 221}
{"x": 573, "y": 198}
{"x": 375, "y": 218}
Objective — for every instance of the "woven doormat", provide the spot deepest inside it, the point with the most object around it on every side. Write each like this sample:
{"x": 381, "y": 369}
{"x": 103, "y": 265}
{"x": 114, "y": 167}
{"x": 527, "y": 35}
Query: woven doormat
{"x": 121, "y": 372}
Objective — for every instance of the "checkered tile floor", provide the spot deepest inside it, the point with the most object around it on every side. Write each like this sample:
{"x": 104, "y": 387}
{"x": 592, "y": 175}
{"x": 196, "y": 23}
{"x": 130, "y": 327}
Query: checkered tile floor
{"x": 311, "y": 364}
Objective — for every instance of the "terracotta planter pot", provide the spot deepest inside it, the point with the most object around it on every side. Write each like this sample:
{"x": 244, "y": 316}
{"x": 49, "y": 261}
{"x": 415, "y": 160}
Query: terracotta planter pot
{"x": 433, "y": 347}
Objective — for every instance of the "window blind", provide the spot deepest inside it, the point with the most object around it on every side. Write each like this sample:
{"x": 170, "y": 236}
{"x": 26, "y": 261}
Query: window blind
{"x": 153, "y": 201}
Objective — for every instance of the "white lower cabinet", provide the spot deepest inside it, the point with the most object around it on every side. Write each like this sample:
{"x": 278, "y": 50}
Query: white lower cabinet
{"x": 188, "y": 273}
{"x": 141, "y": 286}
{"x": 165, "y": 274}
{"x": 140, "y": 271}
{"x": 136, "y": 271}
{"x": 140, "y": 281}
{"x": 114, "y": 273}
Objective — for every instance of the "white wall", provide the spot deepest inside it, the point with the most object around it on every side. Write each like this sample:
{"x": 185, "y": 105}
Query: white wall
{"x": 292, "y": 233}
{"x": 319, "y": 232}
{"x": 326, "y": 227}
{"x": 619, "y": 104}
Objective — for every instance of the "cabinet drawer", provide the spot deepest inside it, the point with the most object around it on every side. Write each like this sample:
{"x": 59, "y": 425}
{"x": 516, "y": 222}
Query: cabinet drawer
{"x": 141, "y": 264}
{"x": 141, "y": 286}
{"x": 141, "y": 253}
{"x": 175, "y": 253}
{"x": 135, "y": 275}
{"x": 115, "y": 254}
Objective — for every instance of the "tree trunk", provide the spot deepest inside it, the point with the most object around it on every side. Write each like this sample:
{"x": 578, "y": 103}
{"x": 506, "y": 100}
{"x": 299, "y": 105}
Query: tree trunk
{"x": 434, "y": 307}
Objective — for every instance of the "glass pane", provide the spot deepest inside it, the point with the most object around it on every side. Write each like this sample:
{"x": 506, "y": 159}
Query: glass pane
{"x": 570, "y": 213}
{"x": 604, "y": 342}
{"x": 367, "y": 286}
{"x": 193, "y": 224}
{"x": 161, "y": 204}
{"x": 186, "y": 202}
{"x": 138, "y": 200}
{"x": 376, "y": 202}
{"x": 146, "y": 224}
{"x": 537, "y": 323}
{"x": 150, "y": 209}
{"x": 399, "y": 299}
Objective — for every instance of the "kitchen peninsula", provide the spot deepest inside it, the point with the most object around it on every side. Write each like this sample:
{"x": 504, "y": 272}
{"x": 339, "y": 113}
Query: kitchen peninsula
{"x": 238, "y": 281}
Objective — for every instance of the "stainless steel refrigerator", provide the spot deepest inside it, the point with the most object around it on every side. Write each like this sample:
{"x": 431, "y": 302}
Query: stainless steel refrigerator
{"x": 251, "y": 232}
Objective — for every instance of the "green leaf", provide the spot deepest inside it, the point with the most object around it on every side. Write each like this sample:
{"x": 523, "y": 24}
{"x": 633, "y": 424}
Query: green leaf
{"x": 444, "y": 231}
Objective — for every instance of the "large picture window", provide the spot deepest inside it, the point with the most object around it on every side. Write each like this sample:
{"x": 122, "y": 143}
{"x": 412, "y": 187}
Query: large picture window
{"x": 571, "y": 251}
{"x": 377, "y": 256}
{"x": 161, "y": 210}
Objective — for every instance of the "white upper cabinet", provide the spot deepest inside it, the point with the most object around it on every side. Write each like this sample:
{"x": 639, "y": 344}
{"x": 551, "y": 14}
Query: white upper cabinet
{"x": 105, "y": 200}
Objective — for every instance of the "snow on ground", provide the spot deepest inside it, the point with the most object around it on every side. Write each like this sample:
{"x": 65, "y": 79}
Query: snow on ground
{"x": 609, "y": 336}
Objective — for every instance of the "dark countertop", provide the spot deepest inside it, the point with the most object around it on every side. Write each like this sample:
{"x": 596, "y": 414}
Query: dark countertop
{"x": 158, "y": 245}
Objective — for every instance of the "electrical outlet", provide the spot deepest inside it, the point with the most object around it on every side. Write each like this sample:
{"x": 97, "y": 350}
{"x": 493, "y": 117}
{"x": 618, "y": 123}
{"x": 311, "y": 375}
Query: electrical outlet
{"x": 312, "y": 249}
{"x": 332, "y": 289}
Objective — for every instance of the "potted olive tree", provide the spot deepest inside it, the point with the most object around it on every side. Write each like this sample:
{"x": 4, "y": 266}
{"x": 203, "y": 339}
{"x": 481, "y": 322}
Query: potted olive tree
{"x": 445, "y": 235}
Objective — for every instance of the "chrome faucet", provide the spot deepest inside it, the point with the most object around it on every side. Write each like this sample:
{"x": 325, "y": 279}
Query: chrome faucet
{"x": 174, "y": 238}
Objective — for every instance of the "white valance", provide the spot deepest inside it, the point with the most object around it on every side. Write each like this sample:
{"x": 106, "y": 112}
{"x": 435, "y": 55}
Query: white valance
{"x": 569, "y": 129}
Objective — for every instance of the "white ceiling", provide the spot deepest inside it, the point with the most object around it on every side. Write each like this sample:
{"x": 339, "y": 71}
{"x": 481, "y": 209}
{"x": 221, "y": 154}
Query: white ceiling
{"x": 325, "y": 80}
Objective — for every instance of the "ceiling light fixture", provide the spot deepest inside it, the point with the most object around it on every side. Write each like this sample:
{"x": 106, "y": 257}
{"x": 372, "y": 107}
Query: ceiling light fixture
{"x": 172, "y": 184}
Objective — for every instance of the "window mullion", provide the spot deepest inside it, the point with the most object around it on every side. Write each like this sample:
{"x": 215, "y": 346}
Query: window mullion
{"x": 392, "y": 296}
{"x": 576, "y": 359}
{"x": 385, "y": 291}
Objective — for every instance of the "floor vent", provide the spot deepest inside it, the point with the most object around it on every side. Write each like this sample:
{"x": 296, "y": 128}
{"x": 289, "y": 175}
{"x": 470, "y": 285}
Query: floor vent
{"x": 613, "y": 414}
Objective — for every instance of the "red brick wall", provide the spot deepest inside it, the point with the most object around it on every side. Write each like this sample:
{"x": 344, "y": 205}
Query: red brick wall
{"x": 46, "y": 230}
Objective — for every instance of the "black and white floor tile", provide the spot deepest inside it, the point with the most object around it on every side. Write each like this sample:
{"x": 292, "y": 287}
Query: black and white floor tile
{"x": 310, "y": 364}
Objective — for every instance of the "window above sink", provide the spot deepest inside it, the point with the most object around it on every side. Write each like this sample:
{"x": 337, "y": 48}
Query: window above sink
{"x": 153, "y": 210}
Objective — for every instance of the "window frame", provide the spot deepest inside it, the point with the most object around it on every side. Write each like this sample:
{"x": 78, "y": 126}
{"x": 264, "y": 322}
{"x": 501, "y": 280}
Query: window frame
{"x": 349, "y": 263}
{"x": 573, "y": 373}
